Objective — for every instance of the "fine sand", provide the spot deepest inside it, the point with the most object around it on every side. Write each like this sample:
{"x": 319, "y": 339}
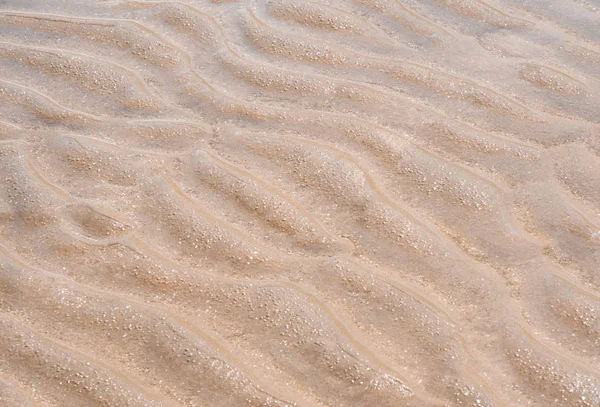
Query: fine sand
{"x": 320, "y": 203}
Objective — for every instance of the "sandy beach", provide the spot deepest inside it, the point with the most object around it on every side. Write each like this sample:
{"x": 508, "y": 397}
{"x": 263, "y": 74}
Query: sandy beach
{"x": 320, "y": 203}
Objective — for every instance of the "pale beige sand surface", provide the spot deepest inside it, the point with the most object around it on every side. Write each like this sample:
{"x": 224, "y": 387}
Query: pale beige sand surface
{"x": 300, "y": 203}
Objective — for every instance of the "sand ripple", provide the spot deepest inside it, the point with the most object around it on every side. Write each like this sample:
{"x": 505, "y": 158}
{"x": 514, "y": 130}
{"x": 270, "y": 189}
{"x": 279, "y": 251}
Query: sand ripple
{"x": 299, "y": 203}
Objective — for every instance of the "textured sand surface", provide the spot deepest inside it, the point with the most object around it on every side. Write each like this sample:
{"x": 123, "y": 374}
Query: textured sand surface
{"x": 299, "y": 203}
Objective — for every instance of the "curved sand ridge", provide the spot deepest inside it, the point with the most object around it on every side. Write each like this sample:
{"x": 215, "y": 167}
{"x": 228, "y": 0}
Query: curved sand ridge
{"x": 299, "y": 203}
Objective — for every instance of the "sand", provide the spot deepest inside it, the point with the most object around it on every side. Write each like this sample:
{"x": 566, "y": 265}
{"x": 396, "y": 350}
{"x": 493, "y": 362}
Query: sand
{"x": 300, "y": 203}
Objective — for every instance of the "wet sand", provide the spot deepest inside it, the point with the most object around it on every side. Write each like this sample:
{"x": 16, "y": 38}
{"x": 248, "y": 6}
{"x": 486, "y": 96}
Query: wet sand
{"x": 300, "y": 203}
